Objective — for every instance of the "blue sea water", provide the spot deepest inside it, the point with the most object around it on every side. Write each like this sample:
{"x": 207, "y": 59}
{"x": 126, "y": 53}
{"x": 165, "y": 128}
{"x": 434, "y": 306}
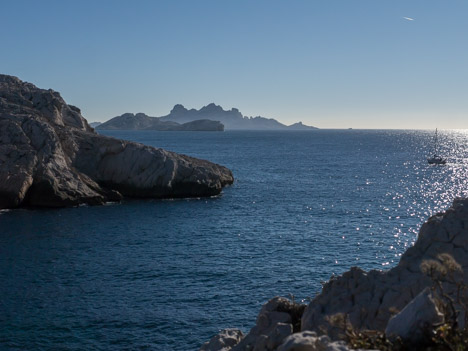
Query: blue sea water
{"x": 167, "y": 275}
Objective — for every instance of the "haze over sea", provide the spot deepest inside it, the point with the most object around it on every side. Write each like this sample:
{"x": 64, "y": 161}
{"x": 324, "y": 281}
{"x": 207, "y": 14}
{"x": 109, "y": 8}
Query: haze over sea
{"x": 166, "y": 275}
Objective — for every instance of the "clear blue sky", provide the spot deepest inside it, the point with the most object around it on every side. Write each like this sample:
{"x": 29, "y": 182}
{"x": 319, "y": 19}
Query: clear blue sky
{"x": 328, "y": 63}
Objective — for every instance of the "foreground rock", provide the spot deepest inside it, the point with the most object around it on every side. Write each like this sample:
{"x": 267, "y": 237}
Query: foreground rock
{"x": 416, "y": 319}
{"x": 223, "y": 341}
{"x": 275, "y": 322}
{"x": 50, "y": 156}
{"x": 370, "y": 299}
{"x": 359, "y": 300}
{"x": 310, "y": 341}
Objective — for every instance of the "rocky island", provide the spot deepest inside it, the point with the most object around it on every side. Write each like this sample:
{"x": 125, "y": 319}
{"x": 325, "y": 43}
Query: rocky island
{"x": 232, "y": 119}
{"x": 140, "y": 121}
{"x": 51, "y": 157}
{"x": 421, "y": 304}
{"x": 209, "y": 118}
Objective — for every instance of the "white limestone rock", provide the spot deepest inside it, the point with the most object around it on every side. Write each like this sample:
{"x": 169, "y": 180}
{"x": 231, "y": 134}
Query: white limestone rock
{"x": 310, "y": 341}
{"x": 270, "y": 341}
{"x": 416, "y": 320}
{"x": 370, "y": 299}
{"x": 223, "y": 341}
{"x": 277, "y": 319}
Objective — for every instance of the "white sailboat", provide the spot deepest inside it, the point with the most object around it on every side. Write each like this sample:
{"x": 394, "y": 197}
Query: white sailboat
{"x": 436, "y": 159}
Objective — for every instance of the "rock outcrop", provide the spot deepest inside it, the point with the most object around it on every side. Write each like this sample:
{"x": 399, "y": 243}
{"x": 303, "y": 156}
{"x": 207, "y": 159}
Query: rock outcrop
{"x": 140, "y": 121}
{"x": 224, "y": 340}
{"x": 415, "y": 320}
{"x": 50, "y": 156}
{"x": 275, "y": 322}
{"x": 368, "y": 300}
{"x": 310, "y": 341}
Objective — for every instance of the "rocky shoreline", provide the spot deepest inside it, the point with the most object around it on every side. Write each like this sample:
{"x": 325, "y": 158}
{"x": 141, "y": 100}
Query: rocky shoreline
{"x": 51, "y": 157}
{"x": 406, "y": 303}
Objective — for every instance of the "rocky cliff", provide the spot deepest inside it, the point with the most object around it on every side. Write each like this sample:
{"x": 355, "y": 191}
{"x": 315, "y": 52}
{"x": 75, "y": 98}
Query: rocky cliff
{"x": 50, "y": 156}
{"x": 396, "y": 301}
{"x": 140, "y": 121}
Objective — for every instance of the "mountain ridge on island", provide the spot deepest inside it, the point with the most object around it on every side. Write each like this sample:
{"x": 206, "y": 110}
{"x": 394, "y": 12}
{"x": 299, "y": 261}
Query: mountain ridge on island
{"x": 209, "y": 117}
{"x": 232, "y": 119}
{"x": 141, "y": 121}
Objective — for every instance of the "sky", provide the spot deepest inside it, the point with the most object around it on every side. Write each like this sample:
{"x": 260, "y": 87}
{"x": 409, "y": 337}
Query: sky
{"x": 400, "y": 64}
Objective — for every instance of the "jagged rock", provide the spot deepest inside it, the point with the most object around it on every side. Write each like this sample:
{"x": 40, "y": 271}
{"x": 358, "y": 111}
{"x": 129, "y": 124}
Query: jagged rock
{"x": 309, "y": 341}
{"x": 277, "y": 319}
{"x": 50, "y": 156}
{"x": 369, "y": 299}
{"x": 416, "y": 321}
{"x": 267, "y": 320}
{"x": 274, "y": 338}
{"x": 223, "y": 341}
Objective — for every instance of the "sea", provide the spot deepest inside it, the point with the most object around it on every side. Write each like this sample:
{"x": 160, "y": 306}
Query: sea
{"x": 169, "y": 274}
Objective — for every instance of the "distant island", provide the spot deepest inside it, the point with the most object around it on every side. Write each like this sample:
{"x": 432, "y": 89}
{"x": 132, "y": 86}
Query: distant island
{"x": 232, "y": 119}
{"x": 210, "y": 117}
{"x": 140, "y": 121}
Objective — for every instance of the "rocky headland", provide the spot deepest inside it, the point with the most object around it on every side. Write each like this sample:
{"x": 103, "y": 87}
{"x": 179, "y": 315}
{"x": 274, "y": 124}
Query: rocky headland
{"x": 231, "y": 119}
{"x": 140, "y": 121}
{"x": 51, "y": 157}
{"x": 419, "y": 304}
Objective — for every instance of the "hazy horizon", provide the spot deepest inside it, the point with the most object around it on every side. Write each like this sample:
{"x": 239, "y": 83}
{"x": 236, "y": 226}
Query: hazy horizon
{"x": 333, "y": 64}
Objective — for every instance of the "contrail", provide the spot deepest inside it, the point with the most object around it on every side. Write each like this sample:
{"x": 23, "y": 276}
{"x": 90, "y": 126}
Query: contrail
{"x": 408, "y": 18}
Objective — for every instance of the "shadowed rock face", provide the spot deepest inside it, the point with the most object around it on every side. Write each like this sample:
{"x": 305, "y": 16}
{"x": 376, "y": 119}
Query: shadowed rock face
{"x": 51, "y": 157}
